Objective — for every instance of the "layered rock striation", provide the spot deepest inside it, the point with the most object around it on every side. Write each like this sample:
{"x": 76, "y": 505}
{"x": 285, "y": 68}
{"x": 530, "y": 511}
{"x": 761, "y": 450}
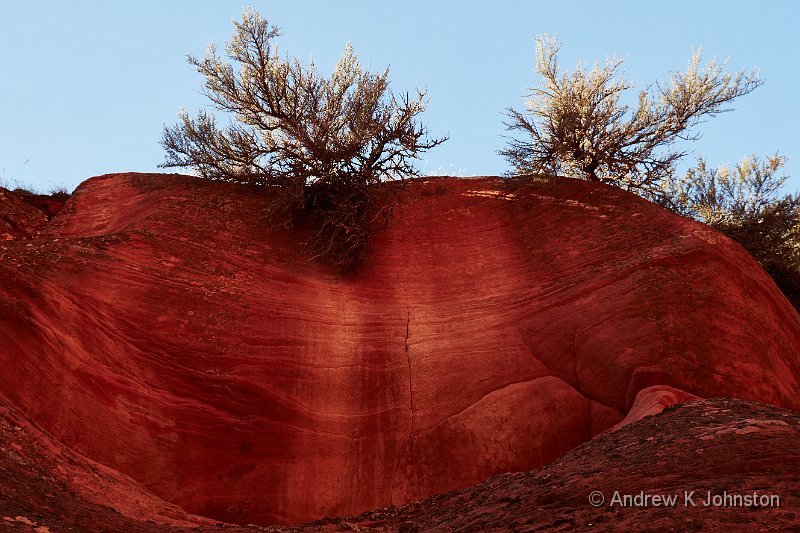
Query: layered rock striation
{"x": 158, "y": 326}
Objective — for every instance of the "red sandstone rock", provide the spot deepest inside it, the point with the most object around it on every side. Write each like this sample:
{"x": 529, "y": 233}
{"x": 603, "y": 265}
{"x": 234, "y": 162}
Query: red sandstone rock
{"x": 18, "y": 218}
{"x": 653, "y": 400}
{"x": 159, "y": 329}
{"x": 50, "y": 204}
{"x": 44, "y": 484}
{"x": 718, "y": 446}
{"x": 727, "y": 448}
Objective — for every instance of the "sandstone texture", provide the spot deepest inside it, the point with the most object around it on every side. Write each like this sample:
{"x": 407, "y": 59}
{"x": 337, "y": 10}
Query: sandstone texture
{"x": 723, "y": 447}
{"x": 720, "y": 446}
{"x": 159, "y": 328}
{"x": 18, "y": 218}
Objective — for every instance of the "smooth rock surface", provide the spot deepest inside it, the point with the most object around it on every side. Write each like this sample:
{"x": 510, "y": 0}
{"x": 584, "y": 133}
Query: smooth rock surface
{"x": 158, "y": 327}
{"x": 653, "y": 400}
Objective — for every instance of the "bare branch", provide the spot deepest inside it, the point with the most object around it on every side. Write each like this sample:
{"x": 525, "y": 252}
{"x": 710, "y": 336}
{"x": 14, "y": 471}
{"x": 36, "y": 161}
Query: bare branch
{"x": 327, "y": 141}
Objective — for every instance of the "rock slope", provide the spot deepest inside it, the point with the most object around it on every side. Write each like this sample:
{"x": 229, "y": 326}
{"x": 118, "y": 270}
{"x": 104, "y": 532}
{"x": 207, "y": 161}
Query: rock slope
{"x": 715, "y": 465}
{"x": 158, "y": 327}
{"x": 731, "y": 449}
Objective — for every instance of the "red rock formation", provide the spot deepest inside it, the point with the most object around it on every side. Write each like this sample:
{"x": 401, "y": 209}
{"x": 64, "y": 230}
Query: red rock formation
{"x": 718, "y": 446}
{"x": 729, "y": 448}
{"x": 653, "y": 400}
{"x": 44, "y": 484}
{"x": 159, "y": 329}
{"x": 18, "y": 218}
{"x": 50, "y": 204}
{"x": 23, "y": 214}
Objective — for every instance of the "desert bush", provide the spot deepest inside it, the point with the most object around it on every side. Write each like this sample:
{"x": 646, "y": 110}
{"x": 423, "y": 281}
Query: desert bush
{"x": 324, "y": 145}
{"x": 576, "y": 124}
{"x": 747, "y": 204}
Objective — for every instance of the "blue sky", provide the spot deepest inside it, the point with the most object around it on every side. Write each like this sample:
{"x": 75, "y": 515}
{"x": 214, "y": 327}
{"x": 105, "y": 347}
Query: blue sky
{"x": 87, "y": 86}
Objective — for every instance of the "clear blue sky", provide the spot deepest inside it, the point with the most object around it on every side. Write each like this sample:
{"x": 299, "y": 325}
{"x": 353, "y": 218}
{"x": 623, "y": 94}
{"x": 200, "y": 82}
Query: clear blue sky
{"x": 87, "y": 86}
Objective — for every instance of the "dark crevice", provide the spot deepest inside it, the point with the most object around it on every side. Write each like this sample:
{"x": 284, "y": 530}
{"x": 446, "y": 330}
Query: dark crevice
{"x": 410, "y": 413}
{"x": 575, "y": 367}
